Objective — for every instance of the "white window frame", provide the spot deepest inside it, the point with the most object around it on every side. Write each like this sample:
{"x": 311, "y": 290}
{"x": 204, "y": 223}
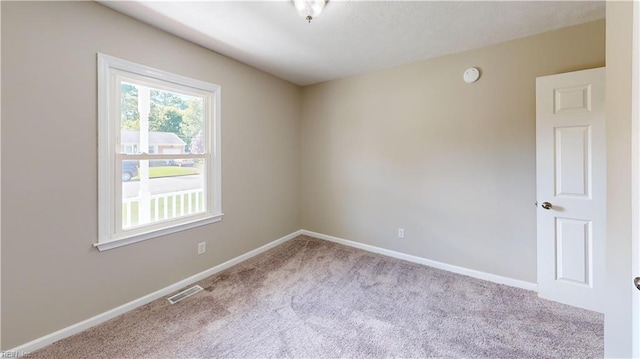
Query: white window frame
{"x": 109, "y": 169}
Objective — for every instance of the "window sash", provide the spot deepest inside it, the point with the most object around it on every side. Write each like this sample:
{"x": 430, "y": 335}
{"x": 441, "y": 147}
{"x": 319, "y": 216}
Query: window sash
{"x": 127, "y": 77}
{"x": 118, "y": 204}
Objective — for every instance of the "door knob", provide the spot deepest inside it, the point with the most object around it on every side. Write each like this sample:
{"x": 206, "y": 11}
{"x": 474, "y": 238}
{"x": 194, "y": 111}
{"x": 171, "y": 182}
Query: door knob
{"x": 636, "y": 281}
{"x": 547, "y": 205}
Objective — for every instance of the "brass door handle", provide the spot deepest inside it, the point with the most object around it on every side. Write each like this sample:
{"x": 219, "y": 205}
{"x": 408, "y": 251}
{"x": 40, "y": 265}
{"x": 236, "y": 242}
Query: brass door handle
{"x": 547, "y": 205}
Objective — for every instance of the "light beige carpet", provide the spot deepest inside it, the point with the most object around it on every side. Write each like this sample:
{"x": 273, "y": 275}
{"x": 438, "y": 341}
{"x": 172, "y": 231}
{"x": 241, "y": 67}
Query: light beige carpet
{"x": 309, "y": 298}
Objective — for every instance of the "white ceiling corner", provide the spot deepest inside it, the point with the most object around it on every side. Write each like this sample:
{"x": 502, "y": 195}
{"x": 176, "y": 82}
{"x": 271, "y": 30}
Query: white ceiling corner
{"x": 352, "y": 37}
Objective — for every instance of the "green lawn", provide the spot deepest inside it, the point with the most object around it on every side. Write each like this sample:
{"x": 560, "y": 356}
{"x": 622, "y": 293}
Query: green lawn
{"x": 169, "y": 171}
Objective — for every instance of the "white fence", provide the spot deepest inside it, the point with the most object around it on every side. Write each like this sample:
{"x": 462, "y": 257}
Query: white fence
{"x": 164, "y": 206}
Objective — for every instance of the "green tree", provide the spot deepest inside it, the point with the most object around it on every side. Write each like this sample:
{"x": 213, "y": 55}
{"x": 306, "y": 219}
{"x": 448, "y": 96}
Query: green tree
{"x": 129, "y": 116}
{"x": 191, "y": 126}
{"x": 169, "y": 112}
{"x": 165, "y": 119}
{"x": 164, "y": 98}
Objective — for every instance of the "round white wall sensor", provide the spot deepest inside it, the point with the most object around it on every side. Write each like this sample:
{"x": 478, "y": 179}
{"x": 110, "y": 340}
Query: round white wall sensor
{"x": 471, "y": 75}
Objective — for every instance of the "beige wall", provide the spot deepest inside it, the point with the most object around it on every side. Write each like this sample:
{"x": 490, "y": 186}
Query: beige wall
{"x": 619, "y": 104}
{"x": 52, "y": 276}
{"x": 453, "y": 164}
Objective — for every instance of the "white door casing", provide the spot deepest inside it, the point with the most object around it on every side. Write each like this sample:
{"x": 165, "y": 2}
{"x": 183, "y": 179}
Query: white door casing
{"x": 571, "y": 176}
{"x": 635, "y": 188}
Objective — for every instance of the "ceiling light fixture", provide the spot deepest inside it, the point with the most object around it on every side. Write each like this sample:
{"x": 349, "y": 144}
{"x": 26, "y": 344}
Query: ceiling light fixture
{"x": 309, "y": 9}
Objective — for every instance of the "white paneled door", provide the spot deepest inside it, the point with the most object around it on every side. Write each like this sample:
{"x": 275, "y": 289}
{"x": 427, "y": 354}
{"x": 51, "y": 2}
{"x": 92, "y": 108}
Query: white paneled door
{"x": 571, "y": 187}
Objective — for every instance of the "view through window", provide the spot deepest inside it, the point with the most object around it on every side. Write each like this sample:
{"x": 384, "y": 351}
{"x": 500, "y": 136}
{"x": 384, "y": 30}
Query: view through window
{"x": 158, "y": 137}
{"x": 159, "y": 122}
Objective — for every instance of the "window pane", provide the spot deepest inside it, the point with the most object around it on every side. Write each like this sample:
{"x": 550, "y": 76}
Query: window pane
{"x": 157, "y": 121}
{"x": 161, "y": 190}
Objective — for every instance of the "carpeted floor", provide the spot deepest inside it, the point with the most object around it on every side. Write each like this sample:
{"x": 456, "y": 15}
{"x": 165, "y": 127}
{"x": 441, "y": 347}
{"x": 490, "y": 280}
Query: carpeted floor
{"x": 309, "y": 298}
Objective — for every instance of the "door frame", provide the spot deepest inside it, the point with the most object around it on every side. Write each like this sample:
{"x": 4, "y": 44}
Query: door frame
{"x": 635, "y": 179}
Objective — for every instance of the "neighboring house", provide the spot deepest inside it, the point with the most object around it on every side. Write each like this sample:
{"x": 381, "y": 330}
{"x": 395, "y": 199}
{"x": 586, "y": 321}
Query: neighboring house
{"x": 159, "y": 142}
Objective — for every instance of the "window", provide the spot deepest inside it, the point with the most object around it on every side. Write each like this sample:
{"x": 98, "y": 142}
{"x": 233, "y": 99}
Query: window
{"x": 158, "y": 152}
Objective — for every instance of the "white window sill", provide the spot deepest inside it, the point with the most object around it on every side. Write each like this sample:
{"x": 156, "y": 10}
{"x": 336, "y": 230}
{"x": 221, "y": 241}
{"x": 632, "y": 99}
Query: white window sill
{"x": 103, "y": 246}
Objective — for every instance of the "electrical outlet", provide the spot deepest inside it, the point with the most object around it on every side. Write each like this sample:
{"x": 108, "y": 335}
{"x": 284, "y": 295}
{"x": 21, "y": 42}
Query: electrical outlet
{"x": 202, "y": 247}
{"x": 400, "y": 232}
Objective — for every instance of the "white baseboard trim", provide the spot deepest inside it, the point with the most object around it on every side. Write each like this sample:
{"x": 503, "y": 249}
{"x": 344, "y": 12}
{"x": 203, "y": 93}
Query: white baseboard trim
{"x": 42, "y": 342}
{"x": 428, "y": 262}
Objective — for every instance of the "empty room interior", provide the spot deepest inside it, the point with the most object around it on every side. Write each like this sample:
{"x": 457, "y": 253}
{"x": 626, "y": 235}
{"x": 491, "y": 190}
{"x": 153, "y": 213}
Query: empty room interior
{"x": 318, "y": 179}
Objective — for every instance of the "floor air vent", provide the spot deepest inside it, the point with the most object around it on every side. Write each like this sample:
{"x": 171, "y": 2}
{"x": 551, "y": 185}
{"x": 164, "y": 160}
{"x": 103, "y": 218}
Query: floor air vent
{"x": 185, "y": 293}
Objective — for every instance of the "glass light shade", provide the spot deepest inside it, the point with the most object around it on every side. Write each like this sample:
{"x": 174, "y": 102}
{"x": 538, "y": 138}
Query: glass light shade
{"x": 309, "y": 9}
